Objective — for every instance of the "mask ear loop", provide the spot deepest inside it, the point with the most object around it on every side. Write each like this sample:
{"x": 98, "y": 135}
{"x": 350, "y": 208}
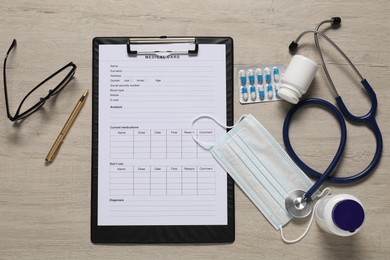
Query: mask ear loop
{"x": 325, "y": 192}
{"x": 208, "y": 146}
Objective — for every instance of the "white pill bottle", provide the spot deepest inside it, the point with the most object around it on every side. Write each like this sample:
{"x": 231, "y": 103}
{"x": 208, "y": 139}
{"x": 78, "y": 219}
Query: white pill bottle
{"x": 341, "y": 214}
{"x": 297, "y": 78}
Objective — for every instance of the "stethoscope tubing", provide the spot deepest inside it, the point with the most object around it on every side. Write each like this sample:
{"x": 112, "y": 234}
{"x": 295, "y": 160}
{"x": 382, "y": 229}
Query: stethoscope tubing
{"x": 368, "y": 119}
{"x": 321, "y": 178}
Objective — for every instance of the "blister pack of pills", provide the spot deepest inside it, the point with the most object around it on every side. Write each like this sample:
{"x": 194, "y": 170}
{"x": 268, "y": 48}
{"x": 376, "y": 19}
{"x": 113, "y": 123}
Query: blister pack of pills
{"x": 260, "y": 84}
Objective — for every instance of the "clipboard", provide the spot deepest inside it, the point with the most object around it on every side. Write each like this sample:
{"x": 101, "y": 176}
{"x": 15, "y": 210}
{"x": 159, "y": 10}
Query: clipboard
{"x": 181, "y": 233}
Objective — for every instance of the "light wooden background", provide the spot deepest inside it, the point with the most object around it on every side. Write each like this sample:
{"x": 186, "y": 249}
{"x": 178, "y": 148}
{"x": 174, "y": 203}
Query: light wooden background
{"x": 45, "y": 209}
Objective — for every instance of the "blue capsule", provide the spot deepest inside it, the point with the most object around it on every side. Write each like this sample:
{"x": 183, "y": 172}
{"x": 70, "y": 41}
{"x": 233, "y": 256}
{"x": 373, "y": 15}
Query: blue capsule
{"x": 252, "y": 90}
{"x": 267, "y": 73}
{"x": 242, "y": 76}
{"x": 261, "y": 92}
{"x": 251, "y": 76}
{"x": 244, "y": 92}
{"x": 259, "y": 75}
{"x": 275, "y": 70}
{"x": 270, "y": 91}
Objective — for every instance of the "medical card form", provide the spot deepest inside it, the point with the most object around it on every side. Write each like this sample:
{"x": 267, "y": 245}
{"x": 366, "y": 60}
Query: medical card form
{"x": 151, "y": 172}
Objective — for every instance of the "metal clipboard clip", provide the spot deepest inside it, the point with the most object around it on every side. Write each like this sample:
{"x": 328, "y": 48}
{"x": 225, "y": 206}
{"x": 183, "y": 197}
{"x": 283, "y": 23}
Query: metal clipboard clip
{"x": 184, "y": 45}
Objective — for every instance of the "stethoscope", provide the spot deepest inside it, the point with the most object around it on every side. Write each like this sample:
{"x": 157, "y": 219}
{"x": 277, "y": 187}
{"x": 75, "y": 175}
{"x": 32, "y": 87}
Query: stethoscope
{"x": 299, "y": 203}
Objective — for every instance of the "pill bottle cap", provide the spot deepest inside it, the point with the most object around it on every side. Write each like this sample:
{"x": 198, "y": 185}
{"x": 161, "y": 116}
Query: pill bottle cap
{"x": 348, "y": 215}
{"x": 289, "y": 94}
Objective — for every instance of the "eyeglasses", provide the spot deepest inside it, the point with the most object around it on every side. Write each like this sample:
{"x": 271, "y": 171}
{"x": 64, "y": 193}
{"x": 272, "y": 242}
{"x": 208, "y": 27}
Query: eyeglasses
{"x": 25, "y": 112}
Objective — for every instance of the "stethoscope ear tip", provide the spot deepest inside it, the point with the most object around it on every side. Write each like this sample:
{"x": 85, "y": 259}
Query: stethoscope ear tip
{"x": 336, "y": 21}
{"x": 293, "y": 47}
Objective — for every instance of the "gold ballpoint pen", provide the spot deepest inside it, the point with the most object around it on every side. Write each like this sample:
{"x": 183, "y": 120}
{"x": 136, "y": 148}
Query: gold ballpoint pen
{"x": 76, "y": 110}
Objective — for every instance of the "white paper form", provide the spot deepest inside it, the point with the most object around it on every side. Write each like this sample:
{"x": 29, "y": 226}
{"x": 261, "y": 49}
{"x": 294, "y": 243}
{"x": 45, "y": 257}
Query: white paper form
{"x": 151, "y": 172}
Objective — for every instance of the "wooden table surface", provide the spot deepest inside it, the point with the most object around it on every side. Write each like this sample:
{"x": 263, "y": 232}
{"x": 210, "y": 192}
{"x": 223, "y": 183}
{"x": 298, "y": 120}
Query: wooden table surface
{"x": 45, "y": 208}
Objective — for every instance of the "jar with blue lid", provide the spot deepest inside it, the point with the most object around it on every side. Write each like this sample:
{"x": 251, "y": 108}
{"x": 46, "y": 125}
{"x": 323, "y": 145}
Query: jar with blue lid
{"x": 341, "y": 214}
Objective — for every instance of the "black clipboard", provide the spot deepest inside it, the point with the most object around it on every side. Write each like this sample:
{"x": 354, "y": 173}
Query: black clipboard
{"x": 160, "y": 234}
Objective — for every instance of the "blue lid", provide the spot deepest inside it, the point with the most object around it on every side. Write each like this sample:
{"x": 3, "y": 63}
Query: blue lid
{"x": 348, "y": 215}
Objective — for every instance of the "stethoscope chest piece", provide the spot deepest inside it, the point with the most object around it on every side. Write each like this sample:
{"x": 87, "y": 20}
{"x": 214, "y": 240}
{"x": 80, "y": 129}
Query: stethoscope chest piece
{"x": 297, "y": 205}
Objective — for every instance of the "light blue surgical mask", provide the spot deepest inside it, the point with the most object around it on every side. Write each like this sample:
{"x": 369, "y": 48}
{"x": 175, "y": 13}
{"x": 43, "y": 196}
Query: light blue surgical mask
{"x": 260, "y": 167}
